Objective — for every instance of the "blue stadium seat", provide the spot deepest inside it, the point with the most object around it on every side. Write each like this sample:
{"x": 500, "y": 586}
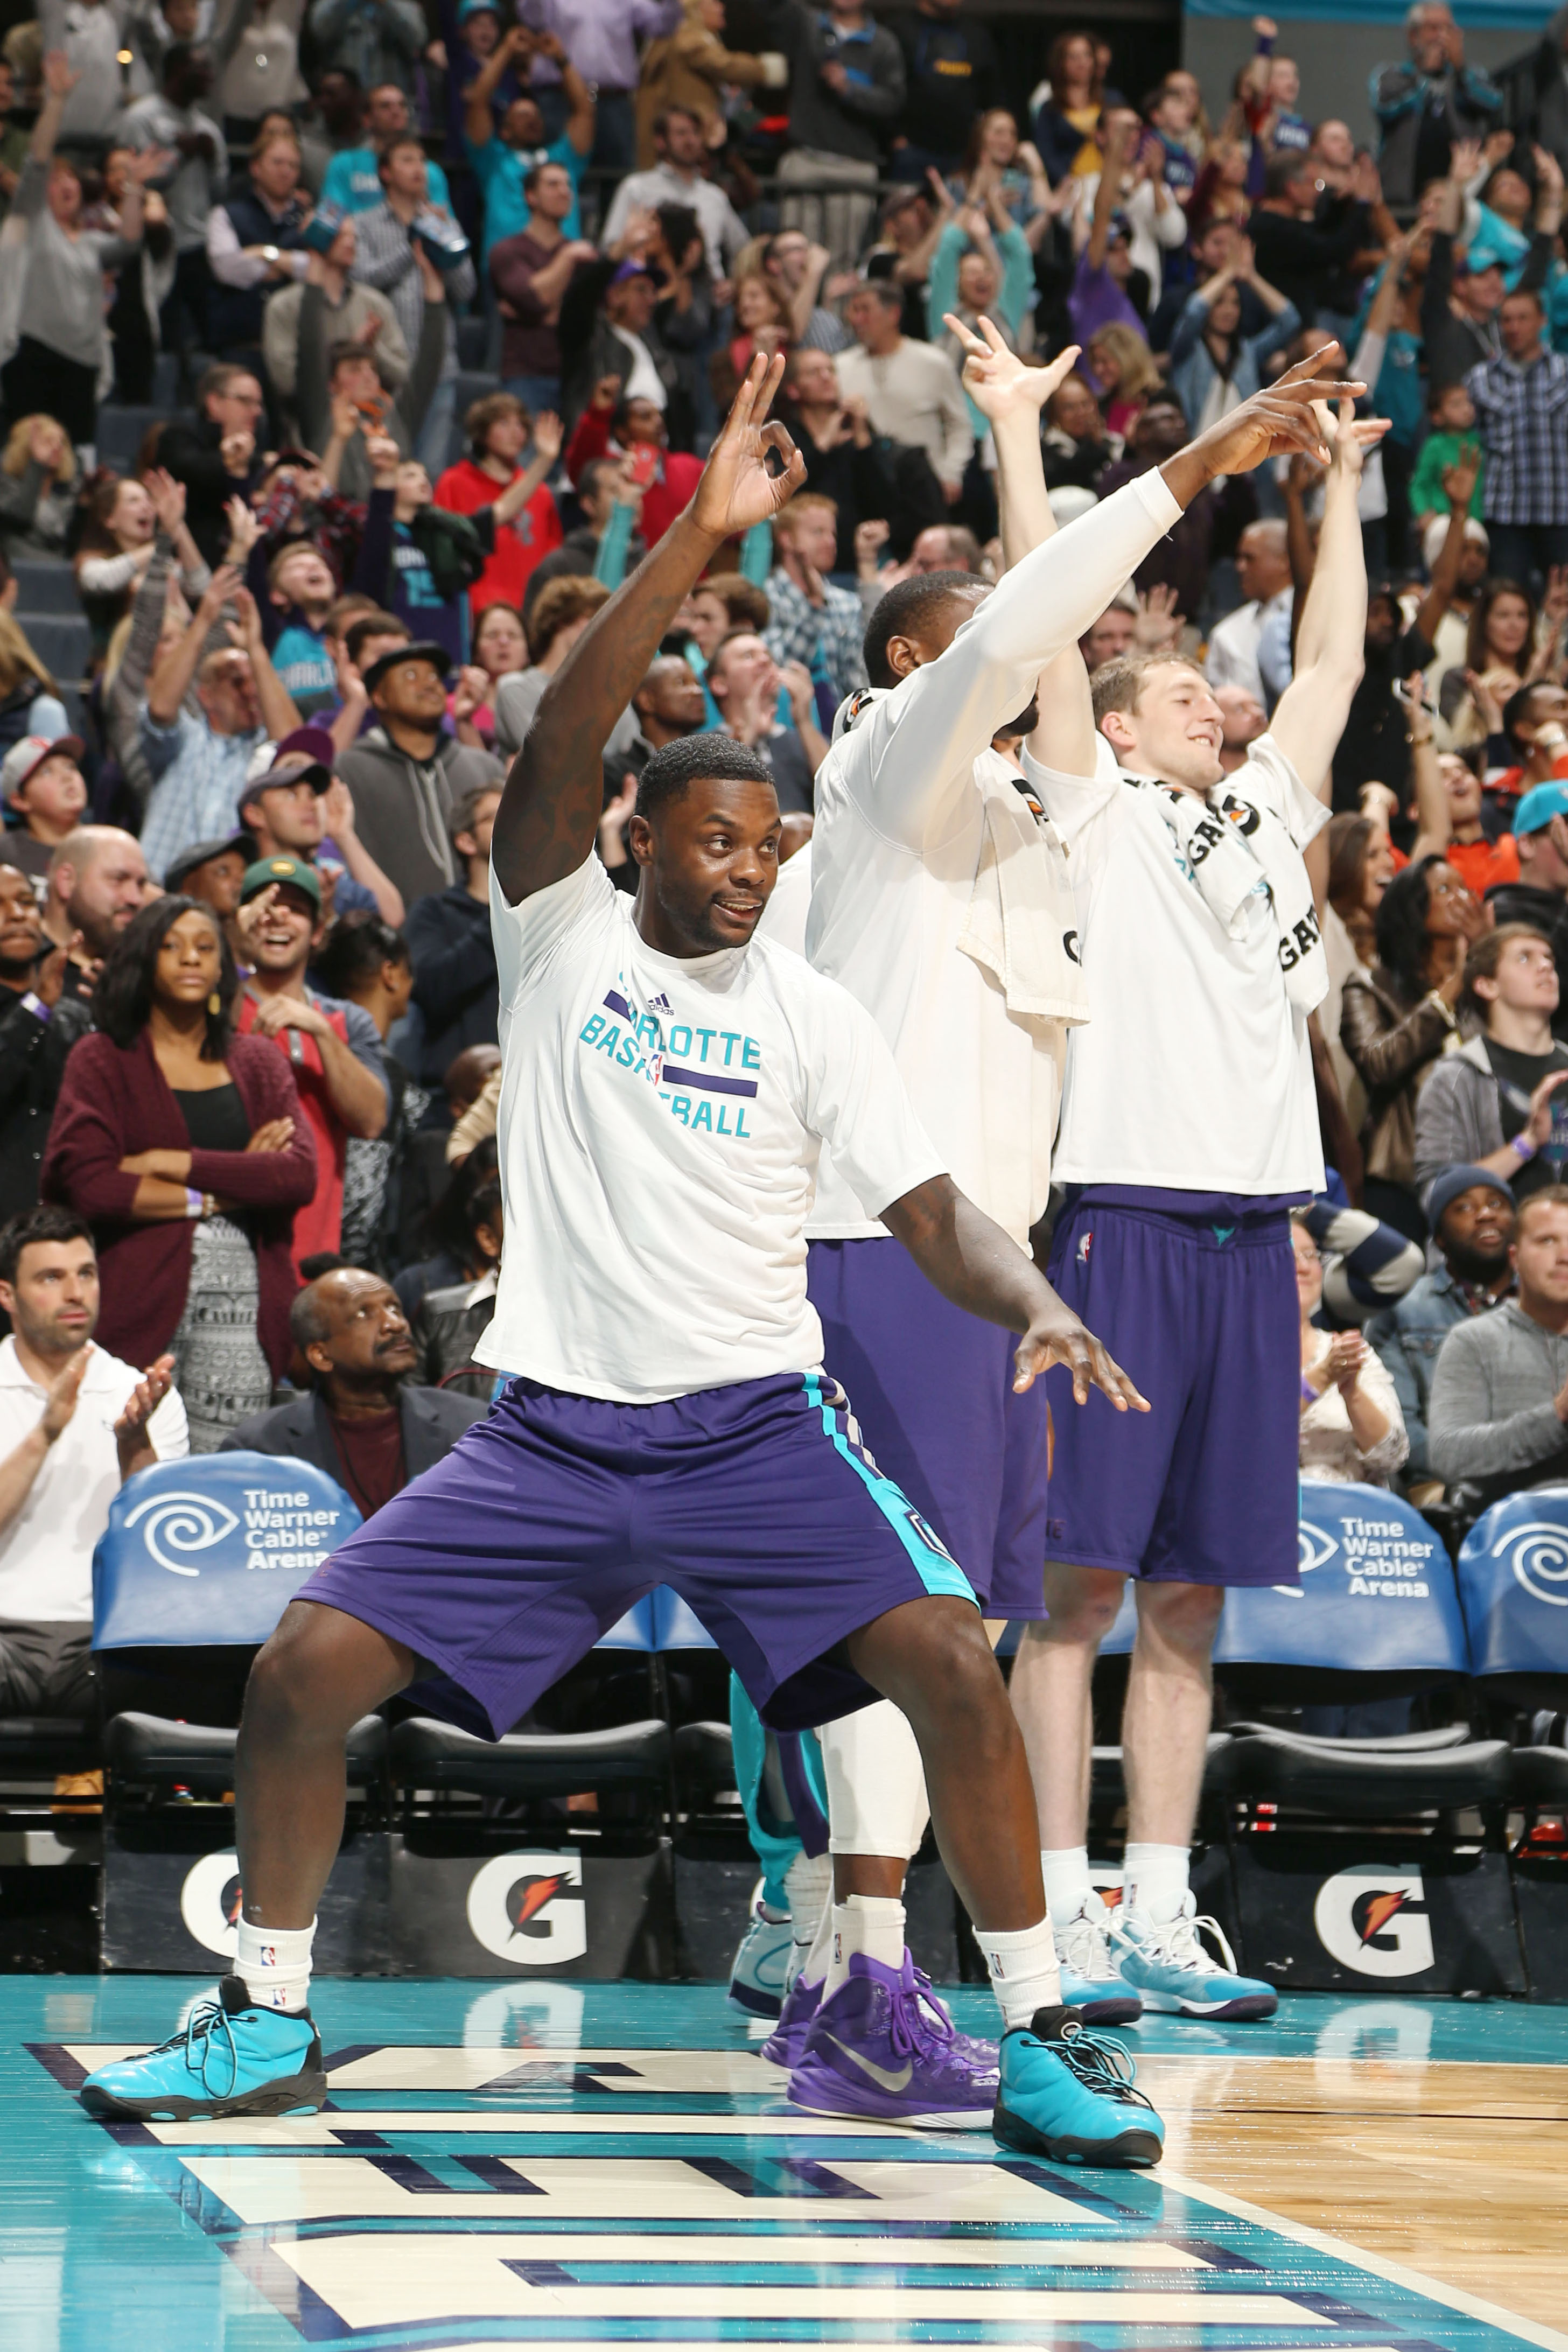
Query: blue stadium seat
{"x": 44, "y": 584}
{"x": 1375, "y": 1610}
{"x": 209, "y": 1551}
{"x": 632, "y": 1631}
{"x": 1514, "y": 1589}
{"x": 63, "y": 642}
{"x": 121, "y": 431}
{"x": 675, "y": 1625}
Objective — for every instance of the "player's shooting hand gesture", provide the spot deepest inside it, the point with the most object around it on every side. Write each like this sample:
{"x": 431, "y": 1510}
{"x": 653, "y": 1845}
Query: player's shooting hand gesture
{"x": 737, "y": 488}
{"x": 1056, "y": 1336}
{"x": 1277, "y": 421}
{"x": 997, "y": 381}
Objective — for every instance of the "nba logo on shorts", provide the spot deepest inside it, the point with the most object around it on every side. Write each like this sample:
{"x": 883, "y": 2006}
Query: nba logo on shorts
{"x": 1085, "y": 1244}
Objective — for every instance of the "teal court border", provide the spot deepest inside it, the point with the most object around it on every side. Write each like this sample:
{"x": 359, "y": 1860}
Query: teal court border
{"x": 108, "y": 2237}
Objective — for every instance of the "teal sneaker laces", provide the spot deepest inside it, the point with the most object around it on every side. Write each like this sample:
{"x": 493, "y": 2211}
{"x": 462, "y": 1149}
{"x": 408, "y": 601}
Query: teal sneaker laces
{"x": 208, "y": 2024}
{"x": 1103, "y": 2064}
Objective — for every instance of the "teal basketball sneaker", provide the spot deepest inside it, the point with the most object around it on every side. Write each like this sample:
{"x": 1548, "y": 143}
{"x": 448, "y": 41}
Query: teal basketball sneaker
{"x": 761, "y": 1966}
{"x": 1169, "y": 1968}
{"x": 1092, "y": 1981}
{"x": 1068, "y": 2094}
{"x": 230, "y": 2060}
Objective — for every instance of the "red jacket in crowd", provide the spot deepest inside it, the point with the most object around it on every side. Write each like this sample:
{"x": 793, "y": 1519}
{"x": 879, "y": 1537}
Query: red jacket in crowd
{"x": 665, "y": 496}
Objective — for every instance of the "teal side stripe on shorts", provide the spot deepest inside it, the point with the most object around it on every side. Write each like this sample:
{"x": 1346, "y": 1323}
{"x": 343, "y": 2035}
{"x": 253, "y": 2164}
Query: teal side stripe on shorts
{"x": 935, "y": 1567}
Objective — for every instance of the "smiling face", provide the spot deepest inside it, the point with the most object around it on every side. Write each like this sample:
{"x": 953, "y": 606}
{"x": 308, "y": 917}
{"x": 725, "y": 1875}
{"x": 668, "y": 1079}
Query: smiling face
{"x": 999, "y": 138}
{"x": 282, "y": 943}
{"x": 1463, "y": 787}
{"x": 710, "y": 859}
{"x": 977, "y": 282}
{"x": 303, "y": 579}
{"x": 1507, "y": 194}
{"x": 740, "y": 669}
{"x": 1508, "y": 628}
{"x": 1451, "y": 907}
{"x": 189, "y": 963}
{"x": 1175, "y": 729}
{"x": 1475, "y": 1230}
{"x": 1075, "y": 410}
{"x": 1309, "y": 1269}
{"x": 522, "y": 126}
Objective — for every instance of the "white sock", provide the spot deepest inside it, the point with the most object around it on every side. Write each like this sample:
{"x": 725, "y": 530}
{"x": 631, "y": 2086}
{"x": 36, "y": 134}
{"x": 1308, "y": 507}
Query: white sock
{"x": 871, "y": 1924}
{"x": 808, "y": 1883}
{"x": 819, "y": 1959}
{"x": 1023, "y": 1972}
{"x": 1065, "y": 1870}
{"x": 1154, "y": 1880}
{"x": 273, "y": 1964}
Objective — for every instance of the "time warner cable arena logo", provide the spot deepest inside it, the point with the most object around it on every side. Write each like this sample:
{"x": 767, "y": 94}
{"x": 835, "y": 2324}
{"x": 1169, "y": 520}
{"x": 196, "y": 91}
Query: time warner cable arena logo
{"x": 283, "y": 1529}
{"x": 1383, "y": 1560}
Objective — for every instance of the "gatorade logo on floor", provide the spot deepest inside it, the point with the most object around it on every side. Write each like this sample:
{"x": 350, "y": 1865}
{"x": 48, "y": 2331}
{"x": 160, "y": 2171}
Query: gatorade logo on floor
{"x": 519, "y": 1910}
{"x": 1375, "y": 1921}
{"x": 210, "y": 1900}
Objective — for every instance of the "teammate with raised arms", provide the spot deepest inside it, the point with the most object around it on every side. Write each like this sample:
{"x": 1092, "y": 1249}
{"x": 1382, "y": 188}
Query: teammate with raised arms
{"x": 667, "y": 1085}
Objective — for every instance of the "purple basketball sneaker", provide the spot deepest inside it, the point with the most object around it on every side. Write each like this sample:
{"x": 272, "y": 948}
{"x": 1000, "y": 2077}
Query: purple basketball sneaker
{"x": 882, "y": 2048}
{"x": 785, "y": 2045}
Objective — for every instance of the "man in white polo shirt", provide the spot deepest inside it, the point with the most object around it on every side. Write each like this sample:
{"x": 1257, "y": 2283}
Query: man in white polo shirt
{"x": 74, "y": 1423}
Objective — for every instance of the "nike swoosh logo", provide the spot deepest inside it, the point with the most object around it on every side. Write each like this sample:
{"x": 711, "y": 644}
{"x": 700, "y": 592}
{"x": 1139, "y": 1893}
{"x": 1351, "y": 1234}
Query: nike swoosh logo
{"x": 883, "y": 2075}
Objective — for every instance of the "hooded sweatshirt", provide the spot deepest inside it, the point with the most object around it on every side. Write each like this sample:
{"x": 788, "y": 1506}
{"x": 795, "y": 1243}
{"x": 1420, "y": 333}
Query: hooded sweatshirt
{"x": 402, "y": 806}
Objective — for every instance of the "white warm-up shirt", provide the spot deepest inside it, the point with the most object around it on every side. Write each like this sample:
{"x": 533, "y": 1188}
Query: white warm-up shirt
{"x": 900, "y": 828}
{"x": 659, "y": 1123}
{"x": 1193, "y": 1071}
{"x": 46, "y": 1551}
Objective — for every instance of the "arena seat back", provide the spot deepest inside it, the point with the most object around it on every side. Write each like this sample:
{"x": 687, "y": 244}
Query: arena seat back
{"x": 1513, "y": 1589}
{"x": 209, "y": 1551}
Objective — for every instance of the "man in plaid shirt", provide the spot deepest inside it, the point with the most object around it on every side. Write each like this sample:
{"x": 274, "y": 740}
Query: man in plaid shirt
{"x": 812, "y": 622}
{"x": 1522, "y": 409}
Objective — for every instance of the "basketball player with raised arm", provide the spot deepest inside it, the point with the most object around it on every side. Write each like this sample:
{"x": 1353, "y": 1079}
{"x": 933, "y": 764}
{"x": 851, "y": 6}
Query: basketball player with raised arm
{"x": 1189, "y": 1127}
{"x": 941, "y": 898}
{"x": 667, "y": 1084}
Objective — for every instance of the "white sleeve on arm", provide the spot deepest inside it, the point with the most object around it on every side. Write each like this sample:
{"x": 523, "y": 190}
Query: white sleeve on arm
{"x": 227, "y": 258}
{"x": 921, "y": 736}
{"x": 857, "y": 1102}
{"x": 524, "y": 935}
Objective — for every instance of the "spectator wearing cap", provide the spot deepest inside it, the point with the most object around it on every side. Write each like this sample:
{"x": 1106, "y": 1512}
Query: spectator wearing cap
{"x": 41, "y": 782}
{"x": 1497, "y": 1103}
{"x": 288, "y": 806}
{"x": 75, "y": 1422}
{"x": 911, "y": 390}
{"x": 39, "y": 1026}
{"x": 1540, "y": 897}
{"x": 199, "y": 764}
{"x": 212, "y": 872}
{"x": 1471, "y": 1213}
{"x": 407, "y": 774}
{"x": 449, "y": 942}
{"x": 97, "y": 882}
{"x": 332, "y": 1048}
{"x": 365, "y": 1421}
{"x": 184, "y": 1144}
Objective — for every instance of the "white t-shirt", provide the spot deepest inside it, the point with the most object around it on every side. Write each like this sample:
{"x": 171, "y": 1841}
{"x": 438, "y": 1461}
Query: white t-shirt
{"x": 46, "y": 1551}
{"x": 1193, "y": 1070}
{"x": 836, "y": 1212}
{"x": 658, "y": 1130}
{"x": 900, "y": 828}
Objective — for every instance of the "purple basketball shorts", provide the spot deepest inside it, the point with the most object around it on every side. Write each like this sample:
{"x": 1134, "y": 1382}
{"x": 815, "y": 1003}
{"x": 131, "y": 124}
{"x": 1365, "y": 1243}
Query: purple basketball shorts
{"x": 1202, "y": 1489}
{"x": 934, "y": 1395}
{"x": 550, "y": 1518}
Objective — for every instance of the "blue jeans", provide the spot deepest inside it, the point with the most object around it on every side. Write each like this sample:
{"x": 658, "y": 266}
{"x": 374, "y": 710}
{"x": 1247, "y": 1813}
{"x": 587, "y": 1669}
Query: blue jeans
{"x": 537, "y": 393}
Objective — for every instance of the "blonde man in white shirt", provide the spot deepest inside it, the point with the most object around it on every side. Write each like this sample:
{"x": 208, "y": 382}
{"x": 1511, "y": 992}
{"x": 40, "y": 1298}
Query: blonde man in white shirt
{"x": 667, "y": 1087}
{"x": 74, "y": 1424}
{"x": 1189, "y": 1128}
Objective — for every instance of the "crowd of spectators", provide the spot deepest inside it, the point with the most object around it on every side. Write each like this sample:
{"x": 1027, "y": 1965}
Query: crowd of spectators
{"x": 425, "y": 314}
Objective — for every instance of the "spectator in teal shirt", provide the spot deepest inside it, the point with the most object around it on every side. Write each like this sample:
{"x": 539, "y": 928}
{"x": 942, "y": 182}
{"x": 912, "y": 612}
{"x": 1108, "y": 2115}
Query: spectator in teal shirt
{"x": 353, "y": 182}
{"x": 502, "y": 157}
{"x": 980, "y": 265}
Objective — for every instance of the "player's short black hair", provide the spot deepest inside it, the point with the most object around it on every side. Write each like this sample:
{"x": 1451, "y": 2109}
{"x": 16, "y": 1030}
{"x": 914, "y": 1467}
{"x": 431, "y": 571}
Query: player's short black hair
{"x": 674, "y": 766}
{"x": 912, "y": 606}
